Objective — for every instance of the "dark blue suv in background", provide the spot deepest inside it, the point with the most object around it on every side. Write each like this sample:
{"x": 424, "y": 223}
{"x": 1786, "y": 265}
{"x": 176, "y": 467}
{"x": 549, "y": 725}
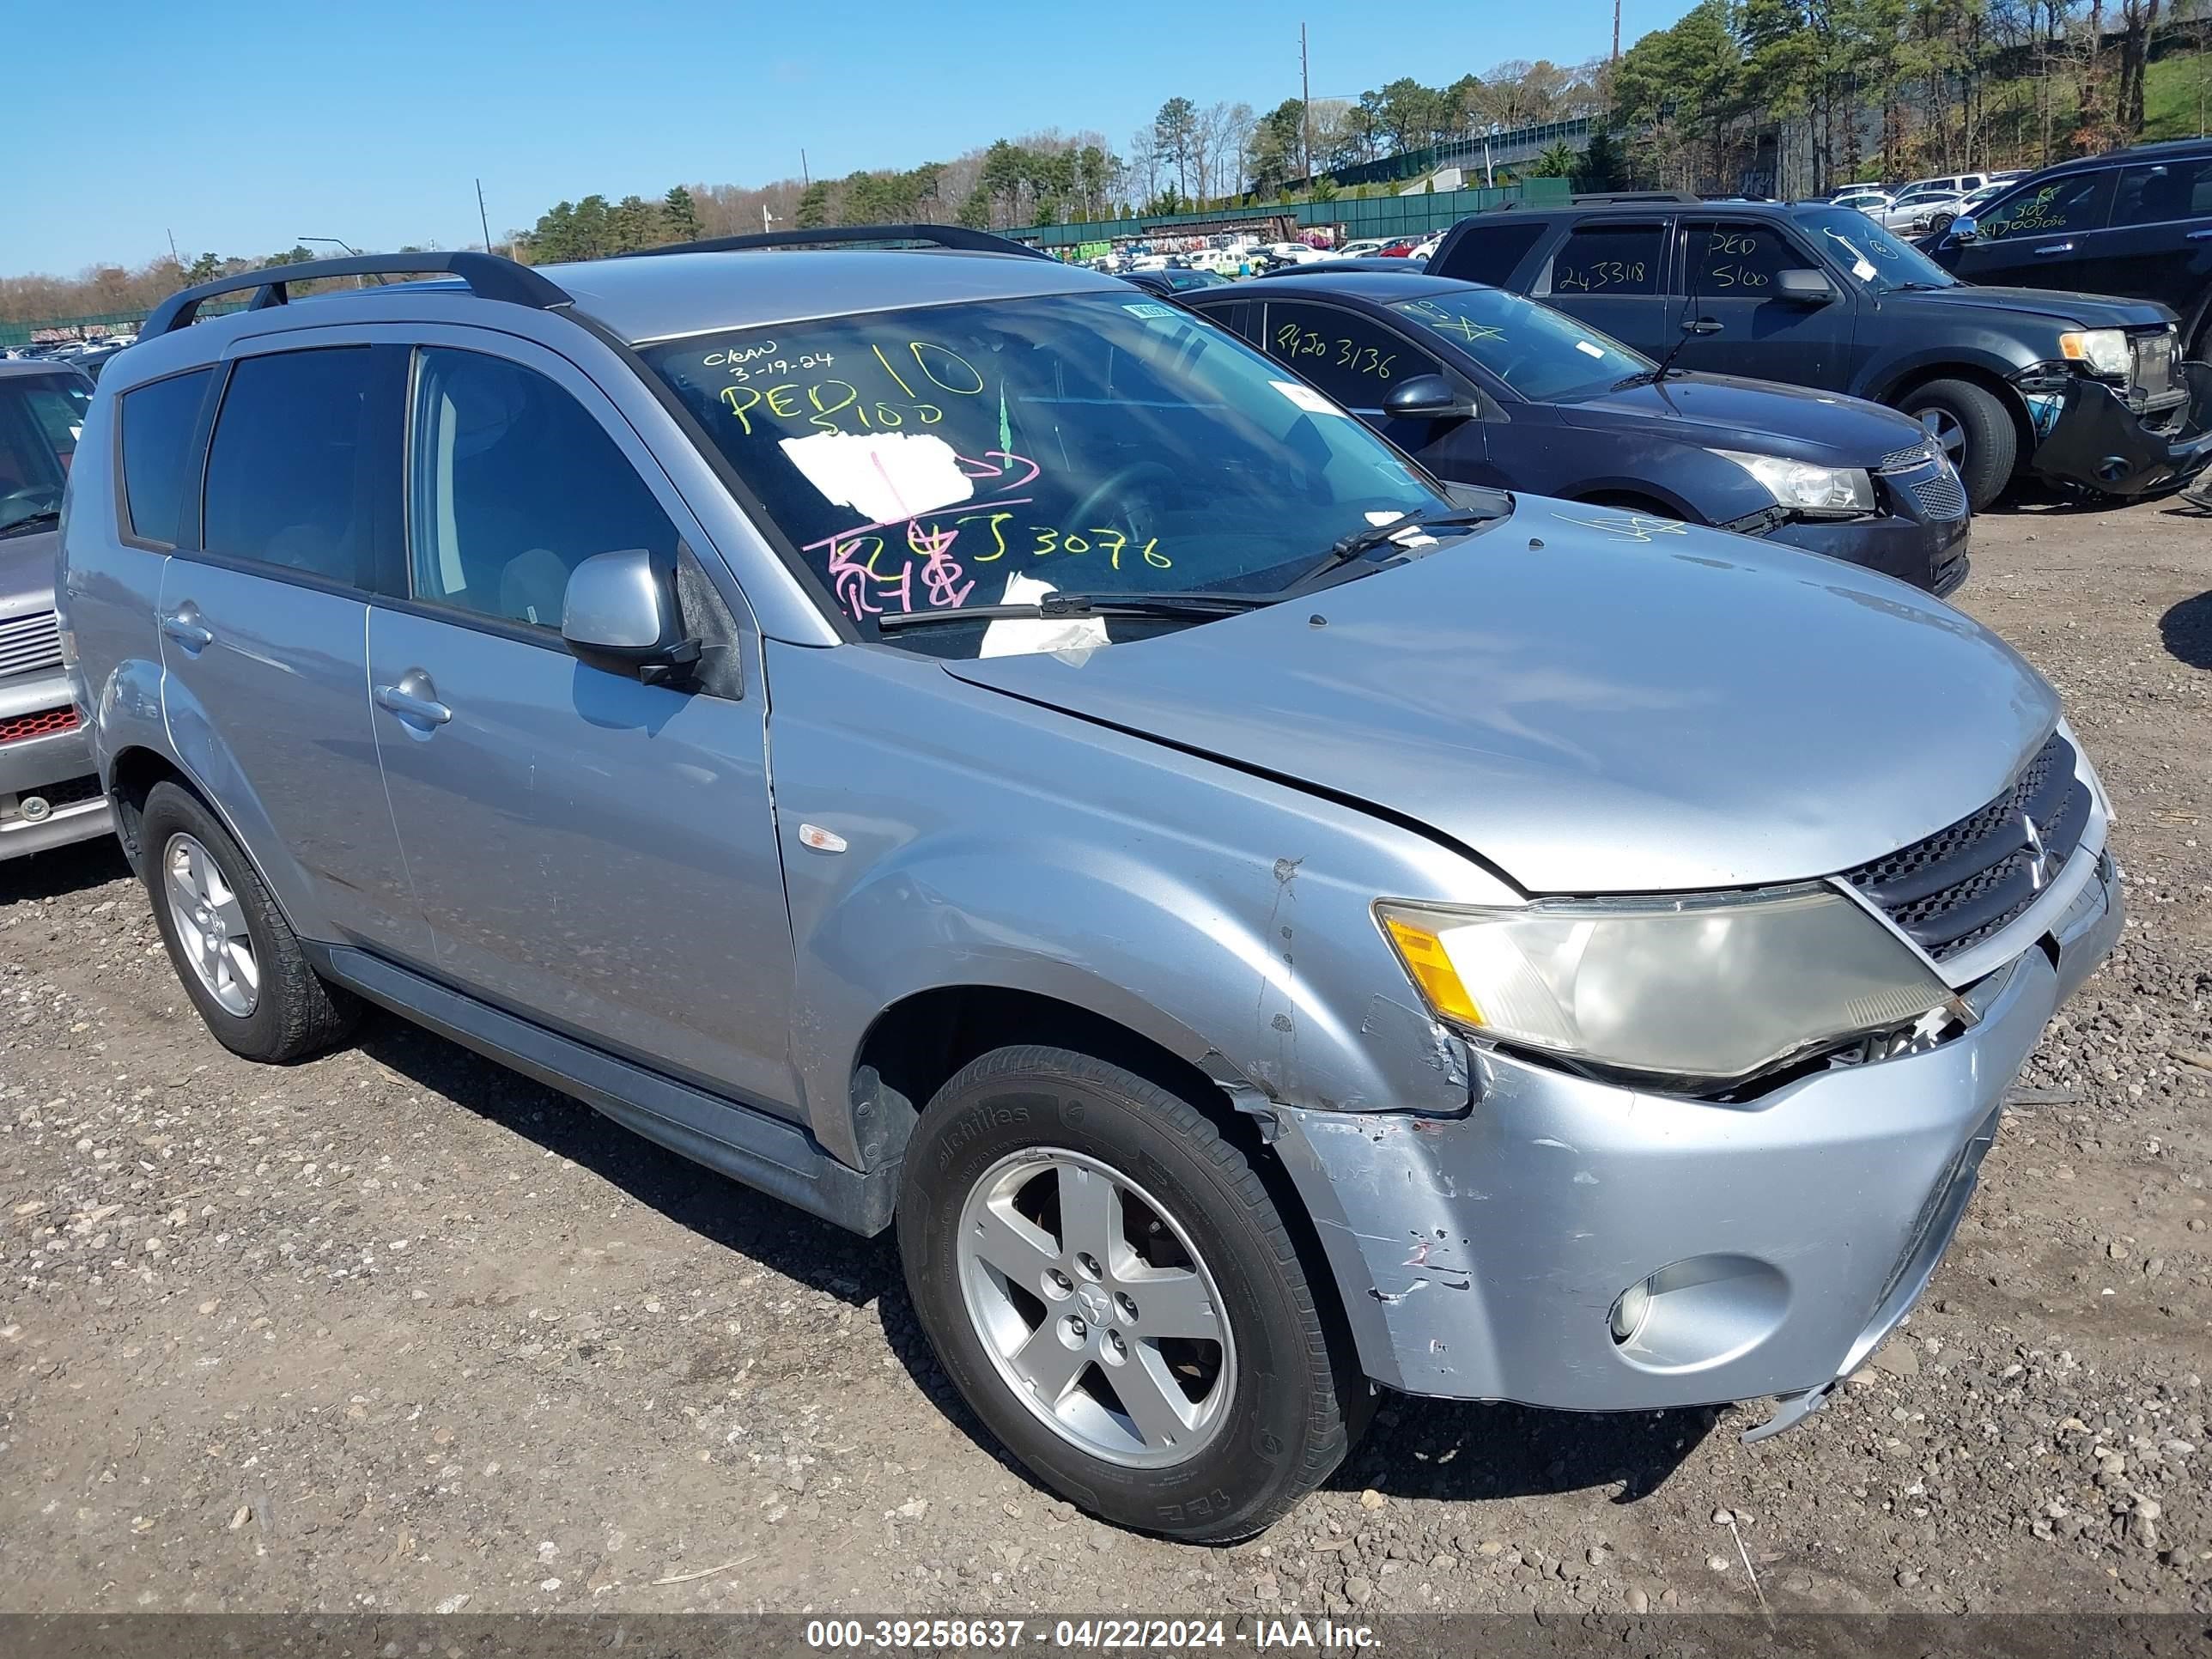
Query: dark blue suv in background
{"x": 1484, "y": 387}
{"x": 2079, "y": 390}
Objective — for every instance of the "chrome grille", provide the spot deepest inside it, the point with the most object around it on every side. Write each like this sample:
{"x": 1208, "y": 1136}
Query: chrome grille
{"x": 1964, "y": 884}
{"x": 1941, "y": 496}
{"x": 28, "y": 644}
{"x": 1902, "y": 460}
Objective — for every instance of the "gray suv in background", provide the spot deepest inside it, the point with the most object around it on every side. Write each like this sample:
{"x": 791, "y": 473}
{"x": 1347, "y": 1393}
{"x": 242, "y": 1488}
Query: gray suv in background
{"x": 960, "y": 745}
{"x": 49, "y": 792}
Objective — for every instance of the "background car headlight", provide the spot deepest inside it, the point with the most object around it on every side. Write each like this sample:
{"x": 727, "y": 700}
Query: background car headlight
{"x": 1805, "y": 487}
{"x": 1699, "y": 989}
{"x": 2102, "y": 350}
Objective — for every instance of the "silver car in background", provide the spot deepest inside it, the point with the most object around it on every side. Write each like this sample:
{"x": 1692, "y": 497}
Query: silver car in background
{"x": 50, "y": 794}
{"x": 964, "y": 746}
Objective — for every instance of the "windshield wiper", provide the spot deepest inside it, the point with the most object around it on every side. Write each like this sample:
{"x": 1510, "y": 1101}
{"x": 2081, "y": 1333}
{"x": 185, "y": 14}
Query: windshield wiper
{"x": 1083, "y": 605}
{"x": 1692, "y": 329}
{"x": 1343, "y": 552}
{"x": 49, "y": 515}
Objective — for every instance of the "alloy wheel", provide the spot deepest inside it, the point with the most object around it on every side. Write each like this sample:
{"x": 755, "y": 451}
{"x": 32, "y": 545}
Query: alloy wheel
{"x": 1096, "y": 1308}
{"x": 210, "y": 925}
{"x": 1945, "y": 428}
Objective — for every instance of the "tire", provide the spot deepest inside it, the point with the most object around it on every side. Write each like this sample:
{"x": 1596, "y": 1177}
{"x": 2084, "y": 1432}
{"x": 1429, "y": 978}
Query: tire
{"x": 268, "y": 1004}
{"x": 1974, "y": 424}
{"x": 1023, "y": 1133}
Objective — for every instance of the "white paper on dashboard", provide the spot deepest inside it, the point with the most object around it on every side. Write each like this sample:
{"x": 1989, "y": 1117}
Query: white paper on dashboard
{"x": 1022, "y": 636}
{"x": 883, "y": 475}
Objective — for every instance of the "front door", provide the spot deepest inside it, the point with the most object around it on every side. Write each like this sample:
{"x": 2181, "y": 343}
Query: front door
{"x": 263, "y": 613}
{"x": 1730, "y": 276}
{"x": 2039, "y": 236}
{"x": 592, "y": 852}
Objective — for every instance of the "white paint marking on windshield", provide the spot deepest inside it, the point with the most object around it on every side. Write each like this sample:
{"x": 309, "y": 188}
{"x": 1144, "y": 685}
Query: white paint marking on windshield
{"x": 885, "y": 477}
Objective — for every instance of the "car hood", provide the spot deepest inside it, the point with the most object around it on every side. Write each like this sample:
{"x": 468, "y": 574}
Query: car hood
{"x": 1595, "y": 703}
{"x": 1719, "y": 411}
{"x": 2054, "y": 304}
{"x": 26, "y": 572}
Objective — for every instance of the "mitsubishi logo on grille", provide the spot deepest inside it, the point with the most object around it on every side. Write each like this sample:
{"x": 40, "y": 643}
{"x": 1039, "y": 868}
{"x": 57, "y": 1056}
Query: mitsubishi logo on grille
{"x": 2038, "y": 855}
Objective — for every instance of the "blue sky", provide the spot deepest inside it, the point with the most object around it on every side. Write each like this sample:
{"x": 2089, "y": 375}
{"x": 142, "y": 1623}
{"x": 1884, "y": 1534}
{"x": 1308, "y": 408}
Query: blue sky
{"x": 243, "y": 126}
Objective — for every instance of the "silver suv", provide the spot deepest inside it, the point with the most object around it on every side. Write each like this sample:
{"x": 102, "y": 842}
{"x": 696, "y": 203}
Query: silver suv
{"x": 957, "y": 744}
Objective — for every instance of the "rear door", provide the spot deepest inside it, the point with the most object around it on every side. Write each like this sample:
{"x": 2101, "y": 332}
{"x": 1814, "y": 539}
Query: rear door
{"x": 2042, "y": 235}
{"x": 2158, "y": 242}
{"x": 1357, "y": 359}
{"x": 1729, "y": 275}
{"x": 1612, "y": 273}
{"x": 262, "y": 614}
{"x": 592, "y": 852}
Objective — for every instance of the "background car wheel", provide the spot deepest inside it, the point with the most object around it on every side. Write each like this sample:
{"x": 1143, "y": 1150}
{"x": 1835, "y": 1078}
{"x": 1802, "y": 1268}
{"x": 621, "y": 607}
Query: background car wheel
{"x": 236, "y": 955}
{"x": 1110, "y": 1286}
{"x": 1976, "y": 430}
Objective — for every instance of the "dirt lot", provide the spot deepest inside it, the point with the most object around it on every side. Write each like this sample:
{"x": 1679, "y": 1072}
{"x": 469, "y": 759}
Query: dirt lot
{"x": 399, "y": 1330}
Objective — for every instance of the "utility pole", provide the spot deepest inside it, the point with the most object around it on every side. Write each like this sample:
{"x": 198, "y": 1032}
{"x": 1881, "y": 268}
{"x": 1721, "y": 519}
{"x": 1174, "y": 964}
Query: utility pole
{"x": 483, "y": 218}
{"x": 1305, "y": 104}
{"x": 1616, "y": 31}
{"x": 179, "y": 263}
{"x": 767, "y": 220}
{"x": 805, "y": 179}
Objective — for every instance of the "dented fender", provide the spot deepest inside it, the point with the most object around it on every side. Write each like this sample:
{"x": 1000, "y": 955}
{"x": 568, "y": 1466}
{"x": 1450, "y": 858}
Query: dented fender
{"x": 991, "y": 843}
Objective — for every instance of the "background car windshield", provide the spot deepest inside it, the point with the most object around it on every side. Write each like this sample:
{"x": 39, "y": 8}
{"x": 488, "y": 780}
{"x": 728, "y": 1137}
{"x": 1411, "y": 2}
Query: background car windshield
{"x": 1877, "y": 260}
{"x": 1544, "y": 355}
{"x": 938, "y": 459}
{"x": 40, "y": 418}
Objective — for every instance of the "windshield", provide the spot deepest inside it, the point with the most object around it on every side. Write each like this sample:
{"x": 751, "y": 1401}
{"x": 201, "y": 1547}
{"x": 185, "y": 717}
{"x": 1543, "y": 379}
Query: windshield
{"x": 1544, "y": 355}
{"x": 41, "y": 416}
{"x": 1877, "y": 260}
{"x": 962, "y": 455}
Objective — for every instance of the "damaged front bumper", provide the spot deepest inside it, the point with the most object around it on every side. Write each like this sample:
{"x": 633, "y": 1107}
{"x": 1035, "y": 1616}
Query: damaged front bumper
{"x": 2087, "y": 435}
{"x": 1776, "y": 1241}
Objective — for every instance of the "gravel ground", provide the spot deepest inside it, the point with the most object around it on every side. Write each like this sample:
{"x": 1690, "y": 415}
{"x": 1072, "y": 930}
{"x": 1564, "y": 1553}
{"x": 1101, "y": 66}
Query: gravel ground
{"x": 399, "y": 1330}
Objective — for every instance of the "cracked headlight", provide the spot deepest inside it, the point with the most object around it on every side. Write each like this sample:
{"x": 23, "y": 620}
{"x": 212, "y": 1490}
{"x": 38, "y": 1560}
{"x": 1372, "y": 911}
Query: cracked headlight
{"x": 1701, "y": 988}
{"x": 2102, "y": 351}
{"x": 1804, "y": 488}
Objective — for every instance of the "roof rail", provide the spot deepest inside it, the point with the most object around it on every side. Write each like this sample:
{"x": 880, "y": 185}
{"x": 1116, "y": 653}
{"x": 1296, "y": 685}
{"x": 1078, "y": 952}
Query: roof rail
{"x": 951, "y": 236}
{"x": 489, "y": 277}
{"x": 1629, "y": 198}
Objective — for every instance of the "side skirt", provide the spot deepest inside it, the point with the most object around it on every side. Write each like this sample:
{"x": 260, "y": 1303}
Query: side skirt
{"x": 741, "y": 1142}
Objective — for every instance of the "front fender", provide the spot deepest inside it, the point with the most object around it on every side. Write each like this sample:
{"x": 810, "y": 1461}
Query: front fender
{"x": 1995, "y": 357}
{"x": 991, "y": 843}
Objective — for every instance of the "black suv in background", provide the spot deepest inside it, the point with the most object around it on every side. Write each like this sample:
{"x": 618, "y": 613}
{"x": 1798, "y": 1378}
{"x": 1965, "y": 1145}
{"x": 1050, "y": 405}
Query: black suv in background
{"x": 2136, "y": 222}
{"x": 2075, "y": 388}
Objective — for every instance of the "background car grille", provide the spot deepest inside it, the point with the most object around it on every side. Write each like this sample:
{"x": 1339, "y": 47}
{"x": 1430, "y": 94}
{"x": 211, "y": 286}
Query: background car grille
{"x": 28, "y": 643}
{"x": 1941, "y": 495}
{"x": 43, "y": 723}
{"x": 1963, "y": 883}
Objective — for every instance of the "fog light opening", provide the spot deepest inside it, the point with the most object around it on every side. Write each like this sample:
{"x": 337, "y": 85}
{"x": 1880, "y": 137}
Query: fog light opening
{"x": 1630, "y": 1309}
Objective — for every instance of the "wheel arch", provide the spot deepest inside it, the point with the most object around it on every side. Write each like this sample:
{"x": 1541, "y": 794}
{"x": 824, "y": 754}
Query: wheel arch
{"x": 1974, "y": 374}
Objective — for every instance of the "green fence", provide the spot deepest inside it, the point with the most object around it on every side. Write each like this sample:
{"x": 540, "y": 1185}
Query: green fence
{"x": 108, "y": 322}
{"x": 1415, "y": 214}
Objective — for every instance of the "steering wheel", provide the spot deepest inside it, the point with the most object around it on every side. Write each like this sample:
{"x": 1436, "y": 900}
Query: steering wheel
{"x": 1114, "y": 485}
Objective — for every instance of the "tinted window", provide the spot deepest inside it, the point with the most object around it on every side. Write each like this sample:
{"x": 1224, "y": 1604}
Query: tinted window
{"x": 1738, "y": 260}
{"x": 1108, "y": 442}
{"x": 159, "y": 423}
{"x": 2078, "y": 203}
{"x": 511, "y": 485}
{"x": 1353, "y": 359}
{"x": 1609, "y": 259}
{"x": 1489, "y": 254}
{"x": 2172, "y": 190}
{"x": 1544, "y": 355}
{"x": 285, "y": 484}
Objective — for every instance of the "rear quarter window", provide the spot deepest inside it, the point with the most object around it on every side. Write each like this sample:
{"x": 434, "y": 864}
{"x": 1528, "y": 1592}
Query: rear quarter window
{"x": 160, "y": 422}
{"x": 1491, "y": 253}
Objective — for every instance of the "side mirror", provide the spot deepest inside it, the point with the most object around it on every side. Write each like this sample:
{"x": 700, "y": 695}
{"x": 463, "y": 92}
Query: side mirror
{"x": 1964, "y": 229}
{"x": 1426, "y": 397}
{"x": 620, "y": 616}
{"x": 1805, "y": 288}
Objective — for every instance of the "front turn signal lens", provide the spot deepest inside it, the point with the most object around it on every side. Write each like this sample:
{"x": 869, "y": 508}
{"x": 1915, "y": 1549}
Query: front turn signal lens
{"x": 1430, "y": 966}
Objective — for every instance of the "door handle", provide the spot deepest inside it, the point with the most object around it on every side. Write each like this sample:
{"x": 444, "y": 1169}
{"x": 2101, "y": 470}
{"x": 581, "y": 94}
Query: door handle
{"x": 182, "y": 625}
{"x": 413, "y": 698}
{"x": 2054, "y": 248}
